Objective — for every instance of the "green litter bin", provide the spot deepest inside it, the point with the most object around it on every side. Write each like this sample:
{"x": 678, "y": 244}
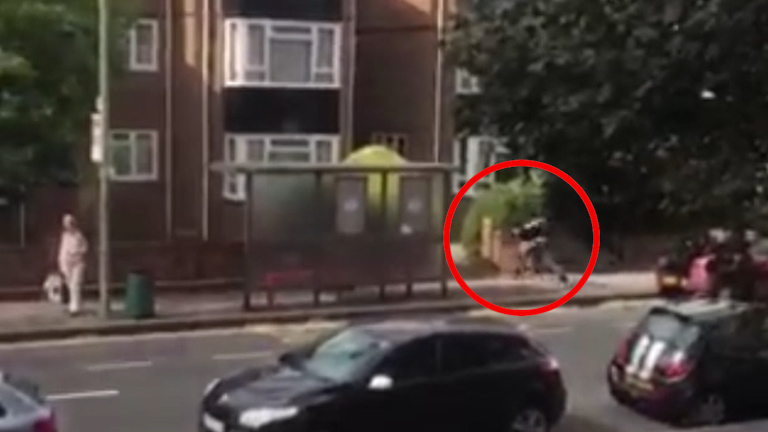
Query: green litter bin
{"x": 139, "y": 296}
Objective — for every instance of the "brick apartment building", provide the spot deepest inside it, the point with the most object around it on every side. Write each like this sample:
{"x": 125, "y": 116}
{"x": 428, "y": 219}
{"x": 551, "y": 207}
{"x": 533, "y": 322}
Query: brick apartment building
{"x": 260, "y": 81}
{"x": 406, "y": 87}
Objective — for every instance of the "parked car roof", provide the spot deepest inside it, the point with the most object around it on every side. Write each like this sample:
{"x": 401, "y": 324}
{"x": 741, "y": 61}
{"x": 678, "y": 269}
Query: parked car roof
{"x": 399, "y": 331}
{"x": 705, "y": 309}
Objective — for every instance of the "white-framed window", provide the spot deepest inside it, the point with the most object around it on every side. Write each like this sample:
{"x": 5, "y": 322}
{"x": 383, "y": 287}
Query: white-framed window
{"x": 144, "y": 46}
{"x": 247, "y": 148}
{"x": 279, "y": 53}
{"x": 134, "y": 155}
{"x": 397, "y": 142}
{"x": 466, "y": 83}
{"x": 474, "y": 154}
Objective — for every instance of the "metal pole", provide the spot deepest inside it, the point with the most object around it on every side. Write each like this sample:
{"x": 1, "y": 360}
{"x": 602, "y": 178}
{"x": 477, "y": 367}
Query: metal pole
{"x": 105, "y": 166}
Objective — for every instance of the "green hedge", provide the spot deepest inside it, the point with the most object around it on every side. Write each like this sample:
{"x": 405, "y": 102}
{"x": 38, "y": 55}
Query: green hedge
{"x": 507, "y": 204}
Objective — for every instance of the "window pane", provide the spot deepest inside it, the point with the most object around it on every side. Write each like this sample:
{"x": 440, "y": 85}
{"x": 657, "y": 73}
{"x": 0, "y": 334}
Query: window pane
{"x": 414, "y": 361}
{"x": 325, "y": 48}
{"x": 121, "y": 138}
{"x": 255, "y": 45}
{"x": 255, "y": 76}
{"x": 324, "y": 151}
{"x": 277, "y": 156}
{"x": 232, "y": 184}
{"x": 145, "y": 44}
{"x": 290, "y": 143}
{"x": 325, "y": 77}
{"x": 461, "y": 354}
{"x": 145, "y": 154}
{"x": 485, "y": 159}
{"x": 232, "y": 51}
{"x": 230, "y": 153}
{"x": 121, "y": 160}
{"x": 290, "y": 61}
{"x": 255, "y": 150}
{"x": 466, "y": 83}
{"x": 292, "y": 30}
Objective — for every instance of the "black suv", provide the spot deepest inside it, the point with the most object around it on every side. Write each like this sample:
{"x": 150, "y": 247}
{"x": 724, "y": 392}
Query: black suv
{"x": 403, "y": 376}
{"x": 698, "y": 362}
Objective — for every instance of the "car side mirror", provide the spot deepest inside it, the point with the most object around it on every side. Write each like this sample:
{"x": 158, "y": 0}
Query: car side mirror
{"x": 291, "y": 358}
{"x": 380, "y": 382}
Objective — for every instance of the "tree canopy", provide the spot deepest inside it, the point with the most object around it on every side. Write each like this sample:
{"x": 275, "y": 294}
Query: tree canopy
{"x": 48, "y": 87}
{"x": 658, "y": 108}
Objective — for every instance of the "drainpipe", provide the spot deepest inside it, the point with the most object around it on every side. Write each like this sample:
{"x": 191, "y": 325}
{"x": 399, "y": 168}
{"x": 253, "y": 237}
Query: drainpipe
{"x": 169, "y": 119}
{"x": 438, "y": 131}
{"x": 206, "y": 118}
{"x": 351, "y": 71}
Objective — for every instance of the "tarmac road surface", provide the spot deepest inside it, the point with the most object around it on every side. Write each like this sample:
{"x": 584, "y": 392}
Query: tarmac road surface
{"x": 154, "y": 383}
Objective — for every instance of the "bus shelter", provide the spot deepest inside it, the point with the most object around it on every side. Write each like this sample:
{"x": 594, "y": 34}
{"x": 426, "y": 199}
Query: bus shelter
{"x": 335, "y": 227}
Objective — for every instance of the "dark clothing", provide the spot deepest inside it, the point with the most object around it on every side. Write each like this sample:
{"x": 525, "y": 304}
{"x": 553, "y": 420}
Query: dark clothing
{"x": 530, "y": 232}
{"x": 733, "y": 269}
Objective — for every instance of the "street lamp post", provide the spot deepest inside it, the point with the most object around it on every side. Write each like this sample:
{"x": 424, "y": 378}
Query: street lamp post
{"x": 105, "y": 162}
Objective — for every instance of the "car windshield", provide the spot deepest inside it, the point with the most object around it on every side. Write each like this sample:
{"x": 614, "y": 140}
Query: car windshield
{"x": 14, "y": 403}
{"x": 672, "y": 328}
{"x": 342, "y": 356}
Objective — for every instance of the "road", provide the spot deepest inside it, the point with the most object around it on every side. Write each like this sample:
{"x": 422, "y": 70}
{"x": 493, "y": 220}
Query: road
{"x": 153, "y": 383}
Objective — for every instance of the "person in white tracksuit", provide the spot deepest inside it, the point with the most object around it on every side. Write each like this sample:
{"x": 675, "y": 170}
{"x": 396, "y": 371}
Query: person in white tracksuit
{"x": 73, "y": 248}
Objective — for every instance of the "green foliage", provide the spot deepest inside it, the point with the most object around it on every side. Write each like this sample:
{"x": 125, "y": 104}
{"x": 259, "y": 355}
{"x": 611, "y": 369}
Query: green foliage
{"x": 48, "y": 86}
{"x": 507, "y": 204}
{"x": 611, "y": 91}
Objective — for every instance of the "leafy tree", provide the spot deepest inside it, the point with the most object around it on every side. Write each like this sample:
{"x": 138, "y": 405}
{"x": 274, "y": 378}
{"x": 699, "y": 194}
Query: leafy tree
{"x": 657, "y": 108}
{"x": 508, "y": 204}
{"x": 48, "y": 87}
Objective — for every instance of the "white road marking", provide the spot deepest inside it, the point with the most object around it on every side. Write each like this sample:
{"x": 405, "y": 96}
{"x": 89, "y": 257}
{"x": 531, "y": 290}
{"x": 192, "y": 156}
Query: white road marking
{"x": 625, "y": 325}
{"x": 104, "y": 340}
{"x": 244, "y": 355}
{"x": 551, "y": 330}
{"x": 95, "y": 394}
{"x": 118, "y": 365}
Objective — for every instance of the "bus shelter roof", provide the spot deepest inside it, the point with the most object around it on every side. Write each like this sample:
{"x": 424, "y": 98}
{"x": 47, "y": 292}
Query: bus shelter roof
{"x": 297, "y": 168}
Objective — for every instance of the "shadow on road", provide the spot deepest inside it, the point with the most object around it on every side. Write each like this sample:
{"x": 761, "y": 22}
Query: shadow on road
{"x": 577, "y": 423}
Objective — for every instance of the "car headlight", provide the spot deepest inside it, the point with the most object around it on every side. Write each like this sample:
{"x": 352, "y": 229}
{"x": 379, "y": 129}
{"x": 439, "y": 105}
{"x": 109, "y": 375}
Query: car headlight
{"x": 258, "y": 417}
{"x": 211, "y": 385}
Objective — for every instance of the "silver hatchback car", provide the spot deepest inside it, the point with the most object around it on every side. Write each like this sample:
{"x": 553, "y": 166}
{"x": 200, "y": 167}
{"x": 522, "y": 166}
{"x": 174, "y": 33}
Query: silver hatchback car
{"x": 22, "y": 408}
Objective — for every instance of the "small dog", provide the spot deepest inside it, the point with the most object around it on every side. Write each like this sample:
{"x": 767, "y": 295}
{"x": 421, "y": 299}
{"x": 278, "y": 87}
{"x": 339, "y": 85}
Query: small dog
{"x": 54, "y": 287}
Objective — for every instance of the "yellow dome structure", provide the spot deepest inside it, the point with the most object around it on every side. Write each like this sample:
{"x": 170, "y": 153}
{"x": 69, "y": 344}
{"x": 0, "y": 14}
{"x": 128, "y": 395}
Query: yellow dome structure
{"x": 379, "y": 155}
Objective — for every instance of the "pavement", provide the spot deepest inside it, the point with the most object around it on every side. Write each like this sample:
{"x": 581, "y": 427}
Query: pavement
{"x": 153, "y": 383}
{"x": 37, "y": 320}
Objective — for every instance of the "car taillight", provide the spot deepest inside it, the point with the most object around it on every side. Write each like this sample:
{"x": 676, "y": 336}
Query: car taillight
{"x": 622, "y": 355}
{"x": 550, "y": 364}
{"x": 47, "y": 424}
{"x": 550, "y": 370}
{"x": 675, "y": 368}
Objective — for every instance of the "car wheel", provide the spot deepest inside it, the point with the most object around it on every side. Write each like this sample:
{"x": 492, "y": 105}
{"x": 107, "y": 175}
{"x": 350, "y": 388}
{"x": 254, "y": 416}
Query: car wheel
{"x": 709, "y": 410}
{"x": 529, "y": 420}
{"x": 726, "y": 293}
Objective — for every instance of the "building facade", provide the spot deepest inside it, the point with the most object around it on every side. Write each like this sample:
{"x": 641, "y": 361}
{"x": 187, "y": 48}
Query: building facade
{"x": 262, "y": 81}
{"x": 235, "y": 80}
{"x": 407, "y": 86}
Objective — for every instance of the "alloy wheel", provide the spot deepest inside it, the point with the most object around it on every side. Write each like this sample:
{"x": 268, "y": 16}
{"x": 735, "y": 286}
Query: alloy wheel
{"x": 530, "y": 420}
{"x": 710, "y": 410}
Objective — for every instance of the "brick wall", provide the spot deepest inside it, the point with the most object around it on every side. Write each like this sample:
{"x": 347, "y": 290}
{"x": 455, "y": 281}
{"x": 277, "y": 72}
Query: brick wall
{"x": 163, "y": 261}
